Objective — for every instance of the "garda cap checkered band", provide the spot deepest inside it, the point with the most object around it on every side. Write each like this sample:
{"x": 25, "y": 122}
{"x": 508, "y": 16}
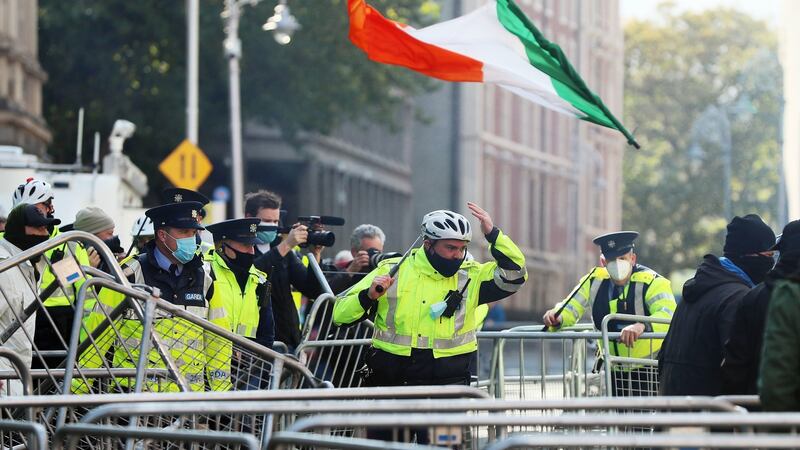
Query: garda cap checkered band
{"x": 239, "y": 230}
{"x": 176, "y": 215}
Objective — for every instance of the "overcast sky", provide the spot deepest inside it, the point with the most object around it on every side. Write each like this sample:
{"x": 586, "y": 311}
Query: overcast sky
{"x": 647, "y": 9}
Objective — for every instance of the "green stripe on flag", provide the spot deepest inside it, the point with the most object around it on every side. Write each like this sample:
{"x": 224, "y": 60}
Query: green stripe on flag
{"x": 550, "y": 59}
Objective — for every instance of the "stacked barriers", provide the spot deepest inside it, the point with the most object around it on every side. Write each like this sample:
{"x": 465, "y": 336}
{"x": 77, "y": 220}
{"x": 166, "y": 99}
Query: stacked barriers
{"x": 148, "y": 374}
{"x": 144, "y": 344}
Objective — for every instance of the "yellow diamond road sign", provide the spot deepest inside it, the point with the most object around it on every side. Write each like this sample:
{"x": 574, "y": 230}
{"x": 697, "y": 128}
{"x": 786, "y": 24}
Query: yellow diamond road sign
{"x": 187, "y": 166}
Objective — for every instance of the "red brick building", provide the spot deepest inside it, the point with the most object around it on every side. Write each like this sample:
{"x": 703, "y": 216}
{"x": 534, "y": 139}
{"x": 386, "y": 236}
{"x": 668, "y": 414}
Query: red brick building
{"x": 552, "y": 182}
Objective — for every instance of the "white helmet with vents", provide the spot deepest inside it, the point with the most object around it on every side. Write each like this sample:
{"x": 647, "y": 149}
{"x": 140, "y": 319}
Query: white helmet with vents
{"x": 32, "y": 192}
{"x": 444, "y": 224}
{"x": 143, "y": 227}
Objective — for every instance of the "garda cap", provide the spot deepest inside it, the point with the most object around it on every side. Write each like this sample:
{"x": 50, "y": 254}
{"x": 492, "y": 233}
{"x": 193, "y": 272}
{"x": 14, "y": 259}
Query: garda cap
{"x": 239, "y": 230}
{"x": 180, "y": 195}
{"x": 614, "y": 245}
{"x": 176, "y": 215}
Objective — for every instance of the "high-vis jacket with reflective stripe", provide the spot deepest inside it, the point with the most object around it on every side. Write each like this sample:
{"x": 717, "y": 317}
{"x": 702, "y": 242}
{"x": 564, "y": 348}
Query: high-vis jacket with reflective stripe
{"x": 199, "y": 356}
{"x": 239, "y": 310}
{"x": 403, "y": 319}
{"x": 65, "y": 295}
{"x": 646, "y": 294}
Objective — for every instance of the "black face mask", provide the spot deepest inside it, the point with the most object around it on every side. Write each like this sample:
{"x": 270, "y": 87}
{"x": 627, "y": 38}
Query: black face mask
{"x": 756, "y": 267}
{"x": 114, "y": 244}
{"x": 242, "y": 261}
{"x": 26, "y": 241}
{"x": 445, "y": 267}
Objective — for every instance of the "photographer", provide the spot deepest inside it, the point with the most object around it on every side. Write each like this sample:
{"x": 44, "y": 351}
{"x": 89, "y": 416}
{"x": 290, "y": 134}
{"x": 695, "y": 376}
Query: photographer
{"x": 284, "y": 269}
{"x": 366, "y": 246}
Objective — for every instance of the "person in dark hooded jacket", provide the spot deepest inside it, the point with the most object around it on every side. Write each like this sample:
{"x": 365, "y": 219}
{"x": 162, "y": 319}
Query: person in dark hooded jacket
{"x": 742, "y": 352}
{"x": 689, "y": 361}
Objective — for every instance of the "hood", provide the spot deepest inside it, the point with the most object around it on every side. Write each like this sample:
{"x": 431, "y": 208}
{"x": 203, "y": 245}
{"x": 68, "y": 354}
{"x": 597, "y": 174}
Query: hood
{"x": 710, "y": 274}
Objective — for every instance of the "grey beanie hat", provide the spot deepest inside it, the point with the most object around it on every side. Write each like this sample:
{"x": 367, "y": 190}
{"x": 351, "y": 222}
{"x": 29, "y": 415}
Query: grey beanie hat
{"x": 93, "y": 220}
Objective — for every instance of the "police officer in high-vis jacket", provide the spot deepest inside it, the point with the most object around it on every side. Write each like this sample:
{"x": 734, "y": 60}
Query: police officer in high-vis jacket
{"x": 241, "y": 292}
{"x": 241, "y": 297}
{"x": 620, "y": 285}
{"x": 425, "y": 316}
{"x": 170, "y": 262}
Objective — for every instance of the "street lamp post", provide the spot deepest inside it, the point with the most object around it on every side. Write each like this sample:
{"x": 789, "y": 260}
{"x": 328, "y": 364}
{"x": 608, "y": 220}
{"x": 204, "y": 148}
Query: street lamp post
{"x": 285, "y": 25}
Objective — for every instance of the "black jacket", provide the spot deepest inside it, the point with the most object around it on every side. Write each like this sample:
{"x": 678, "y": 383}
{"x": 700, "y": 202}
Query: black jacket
{"x": 689, "y": 361}
{"x": 283, "y": 273}
{"x": 742, "y": 352}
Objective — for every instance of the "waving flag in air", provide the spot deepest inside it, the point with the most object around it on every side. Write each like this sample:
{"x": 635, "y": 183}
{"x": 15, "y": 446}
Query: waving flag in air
{"x": 496, "y": 43}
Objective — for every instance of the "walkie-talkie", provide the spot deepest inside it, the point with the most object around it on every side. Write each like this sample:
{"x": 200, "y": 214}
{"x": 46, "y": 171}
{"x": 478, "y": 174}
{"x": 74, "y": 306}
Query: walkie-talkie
{"x": 454, "y": 299}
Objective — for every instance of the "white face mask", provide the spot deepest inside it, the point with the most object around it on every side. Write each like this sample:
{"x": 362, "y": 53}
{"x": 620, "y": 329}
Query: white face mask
{"x": 619, "y": 269}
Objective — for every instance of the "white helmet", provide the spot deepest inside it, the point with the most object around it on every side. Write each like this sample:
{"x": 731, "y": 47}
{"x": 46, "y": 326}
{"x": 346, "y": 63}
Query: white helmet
{"x": 142, "y": 227}
{"x": 444, "y": 224}
{"x": 32, "y": 192}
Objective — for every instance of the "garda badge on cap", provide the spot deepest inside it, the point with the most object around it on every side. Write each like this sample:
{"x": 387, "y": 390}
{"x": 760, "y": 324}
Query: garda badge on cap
{"x": 254, "y": 228}
{"x": 612, "y": 244}
{"x": 194, "y": 214}
{"x": 178, "y": 198}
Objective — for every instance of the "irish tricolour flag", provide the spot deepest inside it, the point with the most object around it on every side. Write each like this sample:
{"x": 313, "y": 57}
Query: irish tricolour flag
{"x": 496, "y": 43}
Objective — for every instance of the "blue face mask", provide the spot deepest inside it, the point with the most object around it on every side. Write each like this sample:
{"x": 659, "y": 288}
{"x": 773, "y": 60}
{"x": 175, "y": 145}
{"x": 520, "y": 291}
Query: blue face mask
{"x": 266, "y": 236}
{"x": 187, "y": 248}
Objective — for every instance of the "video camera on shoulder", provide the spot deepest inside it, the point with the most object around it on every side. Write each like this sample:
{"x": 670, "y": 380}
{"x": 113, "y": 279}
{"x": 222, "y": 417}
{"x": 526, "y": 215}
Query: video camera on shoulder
{"x": 318, "y": 237}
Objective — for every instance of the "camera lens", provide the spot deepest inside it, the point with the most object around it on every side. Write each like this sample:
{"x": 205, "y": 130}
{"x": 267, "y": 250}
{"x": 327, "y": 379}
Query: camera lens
{"x": 323, "y": 238}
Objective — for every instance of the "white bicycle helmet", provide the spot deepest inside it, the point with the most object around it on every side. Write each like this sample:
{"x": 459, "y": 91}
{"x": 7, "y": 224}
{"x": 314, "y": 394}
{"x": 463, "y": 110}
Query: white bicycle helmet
{"x": 443, "y": 224}
{"x": 32, "y": 192}
{"x": 142, "y": 227}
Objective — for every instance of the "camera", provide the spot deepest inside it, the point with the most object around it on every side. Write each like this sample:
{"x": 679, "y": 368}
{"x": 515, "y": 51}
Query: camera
{"x": 316, "y": 237}
{"x": 376, "y": 256}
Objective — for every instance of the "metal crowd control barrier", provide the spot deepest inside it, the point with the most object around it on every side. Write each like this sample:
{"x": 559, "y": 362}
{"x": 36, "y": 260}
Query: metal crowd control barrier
{"x": 27, "y": 434}
{"x": 252, "y": 416}
{"x": 530, "y": 370}
{"x": 40, "y": 333}
{"x": 244, "y": 365}
{"x": 626, "y": 375}
{"x": 287, "y": 439}
{"x": 74, "y": 433}
{"x": 596, "y": 440}
{"x": 333, "y": 353}
{"x": 231, "y": 419}
{"x": 240, "y": 413}
{"x": 479, "y": 430}
{"x": 544, "y": 365}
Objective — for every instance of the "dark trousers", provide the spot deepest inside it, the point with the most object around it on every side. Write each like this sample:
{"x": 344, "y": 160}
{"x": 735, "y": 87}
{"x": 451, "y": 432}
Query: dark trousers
{"x": 419, "y": 369}
{"x": 47, "y": 338}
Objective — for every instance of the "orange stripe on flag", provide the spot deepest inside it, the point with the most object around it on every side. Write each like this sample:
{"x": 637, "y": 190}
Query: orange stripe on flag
{"x": 384, "y": 41}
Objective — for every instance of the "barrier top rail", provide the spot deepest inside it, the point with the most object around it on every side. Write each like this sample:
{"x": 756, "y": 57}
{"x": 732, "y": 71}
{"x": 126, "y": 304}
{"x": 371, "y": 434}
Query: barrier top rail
{"x": 704, "y": 420}
{"x": 323, "y": 282}
{"x": 345, "y": 443}
{"x": 510, "y": 334}
{"x": 74, "y": 431}
{"x": 90, "y": 400}
{"x": 402, "y": 406}
{"x": 595, "y": 440}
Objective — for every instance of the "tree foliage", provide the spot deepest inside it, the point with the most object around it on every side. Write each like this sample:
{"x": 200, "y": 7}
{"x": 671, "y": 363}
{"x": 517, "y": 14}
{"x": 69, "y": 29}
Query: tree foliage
{"x": 123, "y": 59}
{"x": 677, "y": 68}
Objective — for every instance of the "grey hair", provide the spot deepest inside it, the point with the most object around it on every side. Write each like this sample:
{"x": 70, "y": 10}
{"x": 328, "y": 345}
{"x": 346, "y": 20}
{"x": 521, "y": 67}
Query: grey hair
{"x": 365, "y": 231}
